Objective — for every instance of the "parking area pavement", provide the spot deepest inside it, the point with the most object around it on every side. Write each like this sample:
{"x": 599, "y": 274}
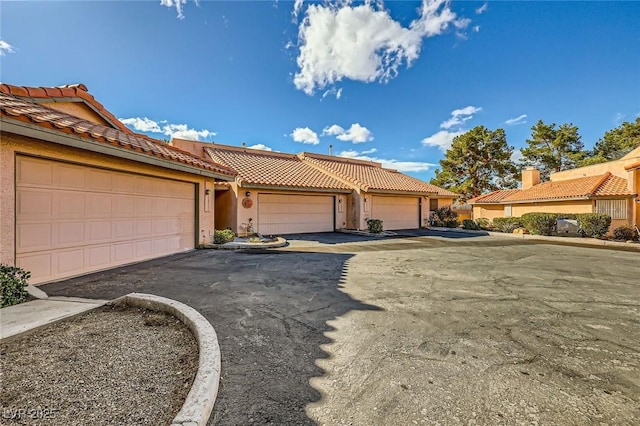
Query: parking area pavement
{"x": 421, "y": 329}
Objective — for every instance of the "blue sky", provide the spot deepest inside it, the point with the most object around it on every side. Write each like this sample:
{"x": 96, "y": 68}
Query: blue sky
{"x": 393, "y": 82}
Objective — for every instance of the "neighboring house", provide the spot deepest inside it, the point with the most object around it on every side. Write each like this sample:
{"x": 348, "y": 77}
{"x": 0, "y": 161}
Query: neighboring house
{"x": 287, "y": 193}
{"x": 80, "y": 192}
{"x": 280, "y": 193}
{"x": 400, "y": 201}
{"x": 608, "y": 188}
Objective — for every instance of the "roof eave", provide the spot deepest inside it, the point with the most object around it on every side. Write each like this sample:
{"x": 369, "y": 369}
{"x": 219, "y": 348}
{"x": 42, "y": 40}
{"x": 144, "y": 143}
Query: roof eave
{"x": 35, "y": 131}
{"x": 247, "y": 185}
{"x": 400, "y": 192}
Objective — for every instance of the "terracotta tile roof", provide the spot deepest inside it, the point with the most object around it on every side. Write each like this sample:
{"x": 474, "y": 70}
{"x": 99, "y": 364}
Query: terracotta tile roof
{"x": 372, "y": 177}
{"x": 72, "y": 92}
{"x": 262, "y": 168}
{"x": 492, "y": 197}
{"x": 24, "y": 110}
{"x": 632, "y": 166}
{"x": 606, "y": 185}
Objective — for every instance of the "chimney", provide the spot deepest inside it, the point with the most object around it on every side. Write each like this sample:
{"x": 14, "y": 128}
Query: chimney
{"x": 330, "y": 149}
{"x": 530, "y": 177}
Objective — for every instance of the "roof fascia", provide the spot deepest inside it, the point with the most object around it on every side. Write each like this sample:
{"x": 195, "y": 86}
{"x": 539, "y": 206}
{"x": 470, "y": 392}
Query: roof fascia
{"x": 37, "y": 132}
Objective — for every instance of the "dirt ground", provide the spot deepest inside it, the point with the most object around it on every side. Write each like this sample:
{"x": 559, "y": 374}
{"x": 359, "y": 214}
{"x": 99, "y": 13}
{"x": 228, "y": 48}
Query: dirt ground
{"x": 113, "y": 365}
{"x": 429, "y": 329}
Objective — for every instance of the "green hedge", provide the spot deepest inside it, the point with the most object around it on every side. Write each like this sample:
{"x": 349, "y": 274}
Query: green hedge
{"x": 223, "y": 236}
{"x": 13, "y": 285}
{"x": 539, "y": 223}
{"x": 507, "y": 224}
{"x": 470, "y": 224}
{"x": 593, "y": 225}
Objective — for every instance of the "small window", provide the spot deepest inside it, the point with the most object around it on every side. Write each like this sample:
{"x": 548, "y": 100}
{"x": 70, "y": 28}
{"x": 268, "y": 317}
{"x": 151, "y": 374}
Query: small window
{"x": 507, "y": 210}
{"x": 433, "y": 204}
{"x": 617, "y": 209}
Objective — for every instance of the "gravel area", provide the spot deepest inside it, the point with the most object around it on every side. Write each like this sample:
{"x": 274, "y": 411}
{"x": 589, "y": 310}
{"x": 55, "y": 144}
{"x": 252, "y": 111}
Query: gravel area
{"x": 113, "y": 365}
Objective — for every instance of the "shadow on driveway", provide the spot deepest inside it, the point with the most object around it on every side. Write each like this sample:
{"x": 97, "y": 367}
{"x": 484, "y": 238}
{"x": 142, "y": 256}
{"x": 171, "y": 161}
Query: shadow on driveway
{"x": 343, "y": 237}
{"x": 270, "y": 312}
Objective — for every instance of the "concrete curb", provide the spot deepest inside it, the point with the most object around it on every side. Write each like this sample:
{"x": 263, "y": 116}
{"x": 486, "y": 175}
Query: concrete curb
{"x": 235, "y": 245}
{"x": 587, "y": 242}
{"x": 199, "y": 403}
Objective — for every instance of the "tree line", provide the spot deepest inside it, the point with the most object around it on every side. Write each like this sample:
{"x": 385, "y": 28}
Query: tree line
{"x": 480, "y": 160}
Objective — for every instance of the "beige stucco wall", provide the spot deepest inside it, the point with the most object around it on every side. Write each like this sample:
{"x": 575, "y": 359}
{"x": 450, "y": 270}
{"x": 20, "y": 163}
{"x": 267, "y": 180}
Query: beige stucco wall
{"x": 10, "y": 145}
{"x": 489, "y": 211}
{"x": 614, "y": 167}
{"x": 78, "y": 109}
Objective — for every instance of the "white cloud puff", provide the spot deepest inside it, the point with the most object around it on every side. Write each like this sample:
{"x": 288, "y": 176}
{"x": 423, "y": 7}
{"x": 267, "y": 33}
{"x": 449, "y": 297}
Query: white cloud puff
{"x": 441, "y": 139}
{"x": 338, "y": 40}
{"x": 6, "y": 48}
{"x": 261, "y": 147}
{"x": 402, "y": 166}
{"x": 517, "y": 120}
{"x": 305, "y": 135}
{"x": 181, "y": 131}
{"x": 178, "y": 5}
{"x": 356, "y": 133}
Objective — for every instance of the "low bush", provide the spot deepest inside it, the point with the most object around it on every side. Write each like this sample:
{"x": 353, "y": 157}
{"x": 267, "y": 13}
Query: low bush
{"x": 539, "y": 223}
{"x": 626, "y": 233}
{"x": 374, "y": 226}
{"x": 445, "y": 216}
{"x": 483, "y": 223}
{"x": 594, "y": 225}
{"x": 470, "y": 224}
{"x": 222, "y": 236}
{"x": 507, "y": 224}
{"x": 13, "y": 285}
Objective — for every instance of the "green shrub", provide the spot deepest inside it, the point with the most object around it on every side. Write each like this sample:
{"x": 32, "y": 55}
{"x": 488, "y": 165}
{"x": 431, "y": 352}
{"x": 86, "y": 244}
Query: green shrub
{"x": 374, "y": 226}
{"x": 13, "y": 285}
{"x": 507, "y": 224}
{"x": 445, "y": 216}
{"x": 594, "y": 225}
{"x": 223, "y": 236}
{"x": 540, "y": 223}
{"x": 470, "y": 224}
{"x": 626, "y": 233}
{"x": 483, "y": 223}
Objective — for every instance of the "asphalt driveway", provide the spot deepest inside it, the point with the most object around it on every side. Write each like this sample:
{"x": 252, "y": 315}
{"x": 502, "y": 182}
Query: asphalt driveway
{"x": 420, "y": 329}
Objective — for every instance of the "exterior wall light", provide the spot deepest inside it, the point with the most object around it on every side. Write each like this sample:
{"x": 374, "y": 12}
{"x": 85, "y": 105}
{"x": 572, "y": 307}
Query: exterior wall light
{"x": 248, "y": 193}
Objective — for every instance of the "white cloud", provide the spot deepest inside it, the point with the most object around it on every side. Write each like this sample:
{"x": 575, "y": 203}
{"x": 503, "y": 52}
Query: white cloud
{"x": 333, "y": 91}
{"x": 332, "y": 130}
{"x": 181, "y": 131}
{"x": 297, "y": 6}
{"x": 476, "y": 29}
{"x": 517, "y": 120}
{"x": 142, "y": 124}
{"x": 261, "y": 147}
{"x": 459, "y": 116}
{"x": 402, "y": 166}
{"x": 178, "y": 4}
{"x": 305, "y": 135}
{"x": 441, "y": 139}
{"x": 356, "y": 133}
{"x": 516, "y": 155}
{"x": 482, "y": 9}
{"x": 6, "y": 48}
{"x": 364, "y": 43}
{"x": 369, "y": 151}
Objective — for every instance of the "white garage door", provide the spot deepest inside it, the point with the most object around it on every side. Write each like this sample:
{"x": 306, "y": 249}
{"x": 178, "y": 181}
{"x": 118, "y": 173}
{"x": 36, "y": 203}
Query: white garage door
{"x": 396, "y": 212}
{"x": 73, "y": 219}
{"x": 291, "y": 214}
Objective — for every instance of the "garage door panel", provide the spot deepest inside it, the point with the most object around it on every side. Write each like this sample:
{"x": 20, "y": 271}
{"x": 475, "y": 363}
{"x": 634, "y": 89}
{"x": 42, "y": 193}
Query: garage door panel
{"x": 74, "y": 219}
{"x": 35, "y": 203}
{"x": 287, "y": 214}
{"x": 396, "y": 212}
